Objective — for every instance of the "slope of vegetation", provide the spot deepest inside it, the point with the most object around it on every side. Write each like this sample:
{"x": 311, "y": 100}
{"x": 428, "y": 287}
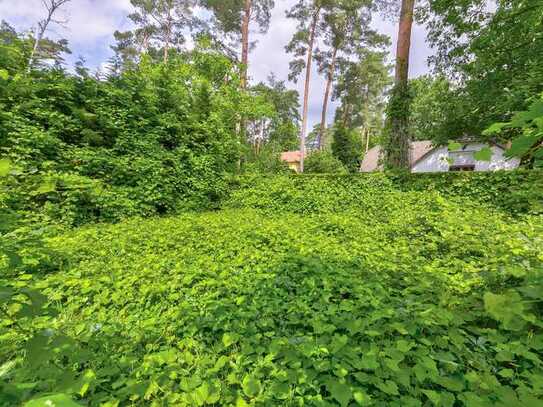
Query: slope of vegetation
{"x": 402, "y": 299}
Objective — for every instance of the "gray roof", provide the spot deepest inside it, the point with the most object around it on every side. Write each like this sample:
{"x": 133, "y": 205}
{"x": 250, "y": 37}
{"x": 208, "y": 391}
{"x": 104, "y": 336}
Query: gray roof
{"x": 373, "y": 157}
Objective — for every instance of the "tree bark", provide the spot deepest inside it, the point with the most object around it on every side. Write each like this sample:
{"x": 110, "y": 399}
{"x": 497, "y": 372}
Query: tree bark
{"x": 397, "y": 154}
{"x": 329, "y": 81}
{"x": 245, "y": 43}
{"x": 310, "y": 45}
{"x": 404, "y": 41}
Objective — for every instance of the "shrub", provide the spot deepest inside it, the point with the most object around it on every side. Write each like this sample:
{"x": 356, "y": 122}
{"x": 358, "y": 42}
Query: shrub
{"x": 323, "y": 162}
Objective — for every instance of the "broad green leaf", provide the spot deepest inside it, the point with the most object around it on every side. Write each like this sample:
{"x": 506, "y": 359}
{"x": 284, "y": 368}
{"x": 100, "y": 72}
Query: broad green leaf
{"x": 388, "y": 387}
{"x": 241, "y": 403}
{"x": 46, "y": 187}
{"x": 433, "y": 396}
{"x": 504, "y": 307}
{"x": 484, "y": 154}
{"x": 201, "y": 394}
{"x": 251, "y": 386}
{"x": 280, "y": 390}
{"x": 55, "y": 400}
{"x": 4, "y": 74}
{"x": 362, "y": 398}
{"x": 339, "y": 391}
{"x": 228, "y": 339}
{"x": 454, "y": 146}
{"x": 5, "y": 167}
{"x": 522, "y": 144}
{"x": 522, "y": 118}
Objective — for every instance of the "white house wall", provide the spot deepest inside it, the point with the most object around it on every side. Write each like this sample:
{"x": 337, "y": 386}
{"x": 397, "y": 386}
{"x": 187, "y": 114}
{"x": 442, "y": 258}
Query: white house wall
{"x": 436, "y": 160}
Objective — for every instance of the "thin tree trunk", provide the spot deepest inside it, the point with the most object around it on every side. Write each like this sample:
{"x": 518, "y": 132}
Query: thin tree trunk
{"x": 310, "y": 44}
{"x": 245, "y": 43}
{"x": 329, "y": 81}
{"x": 41, "y": 32}
{"x": 399, "y": 143}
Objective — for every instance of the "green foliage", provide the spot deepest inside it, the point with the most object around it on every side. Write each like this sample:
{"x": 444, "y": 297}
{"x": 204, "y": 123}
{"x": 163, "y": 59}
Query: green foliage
{"x": 347, "y": 147}
{"x": 433, "y": 111}
{"x": 280, "y": 131}
{"x": 513, "y": 192}
{"x": 529, "y": 144}
{"x": 348, "y": 292}
{"x": 494, "y": 55}
{"x": 157, "y": 139}
{"x": 323, "y": 162}
{"x": 396, "y": 135}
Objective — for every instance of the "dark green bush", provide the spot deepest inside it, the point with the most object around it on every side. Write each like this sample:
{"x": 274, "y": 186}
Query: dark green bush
{"x": 155, "y": 140}
{"x": 323, "y": 162}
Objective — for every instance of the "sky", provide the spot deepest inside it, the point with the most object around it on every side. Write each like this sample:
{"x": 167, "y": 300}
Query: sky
{"x": 91, "y": 23}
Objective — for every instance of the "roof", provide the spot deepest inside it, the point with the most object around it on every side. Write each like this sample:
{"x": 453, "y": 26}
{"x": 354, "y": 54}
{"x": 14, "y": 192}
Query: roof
{"x": 291, "y": 156}
{"x": 418, "y": 150}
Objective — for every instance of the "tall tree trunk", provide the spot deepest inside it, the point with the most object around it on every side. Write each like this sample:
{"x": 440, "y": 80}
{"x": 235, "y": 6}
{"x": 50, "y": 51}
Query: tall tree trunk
{"x": 310, "y": 45}
{"x": 245, "y": 42}
{"x": 367, "y": 140}
{"x": 329, "y": 81}
{"x": 397, "y": 154}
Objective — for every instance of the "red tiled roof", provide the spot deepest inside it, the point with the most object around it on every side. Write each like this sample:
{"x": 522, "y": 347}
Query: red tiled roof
{"x": 291, "y": 156}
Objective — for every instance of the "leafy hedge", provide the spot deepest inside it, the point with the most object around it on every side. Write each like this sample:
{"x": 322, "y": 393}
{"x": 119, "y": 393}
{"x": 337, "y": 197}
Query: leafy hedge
{"x": 391, "y": 298}
{"x": 514, "y": 192}
{"x": 157, "y": 139}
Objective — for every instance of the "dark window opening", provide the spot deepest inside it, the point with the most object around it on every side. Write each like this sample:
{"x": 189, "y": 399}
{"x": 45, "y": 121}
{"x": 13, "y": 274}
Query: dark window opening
{"x": 462, "y": 168}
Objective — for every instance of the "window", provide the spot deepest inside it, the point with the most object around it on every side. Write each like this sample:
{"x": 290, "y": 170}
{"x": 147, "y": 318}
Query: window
{"x": 468, "y": 167}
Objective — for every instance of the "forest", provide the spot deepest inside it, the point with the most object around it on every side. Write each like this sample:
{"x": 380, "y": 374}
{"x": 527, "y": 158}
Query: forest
{"x": 156, "y": 249}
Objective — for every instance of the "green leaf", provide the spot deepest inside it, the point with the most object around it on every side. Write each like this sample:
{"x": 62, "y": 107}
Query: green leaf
{"x": 46, "y": 187}
{"x": 55, "y": 400}
{"x": 522, "y": 144}
{"x": 454, "y": 146}
{"x": 433, "y": 396}
{"x": 362, "y": 398}
{"x": 522, "y": 118}
{"x": 251, "y": 386}
{"x": 201, "y": 394}
{"x": 484, "y": 154}
{"x": 340, "y": 392}
{"x": 389, "y": 387}
{"x": 5, "y": 167}
{"x": 228, "y": 339}
{"x": 506, "y": 308}
{"x": 4, "y": 74}
{"x": 496, "y": 128}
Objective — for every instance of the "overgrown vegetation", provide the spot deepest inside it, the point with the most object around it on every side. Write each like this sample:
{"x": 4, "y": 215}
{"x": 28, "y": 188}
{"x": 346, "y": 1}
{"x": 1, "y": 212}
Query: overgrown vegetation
{"x": 326, "y": 297}
{"x": 155, "y": 251}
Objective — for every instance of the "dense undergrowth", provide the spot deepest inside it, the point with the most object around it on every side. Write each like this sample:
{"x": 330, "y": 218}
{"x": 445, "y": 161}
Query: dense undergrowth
{"x": 386, "y": 298}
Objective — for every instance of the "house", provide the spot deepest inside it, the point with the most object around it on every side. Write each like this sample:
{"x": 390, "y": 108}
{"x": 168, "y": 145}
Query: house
{"x": 425, "y": 157}
{"x": 292, "y": 158}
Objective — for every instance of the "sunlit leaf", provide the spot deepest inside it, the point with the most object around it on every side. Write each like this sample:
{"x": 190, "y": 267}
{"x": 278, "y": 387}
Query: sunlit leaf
{"x": 484, "y": 154}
